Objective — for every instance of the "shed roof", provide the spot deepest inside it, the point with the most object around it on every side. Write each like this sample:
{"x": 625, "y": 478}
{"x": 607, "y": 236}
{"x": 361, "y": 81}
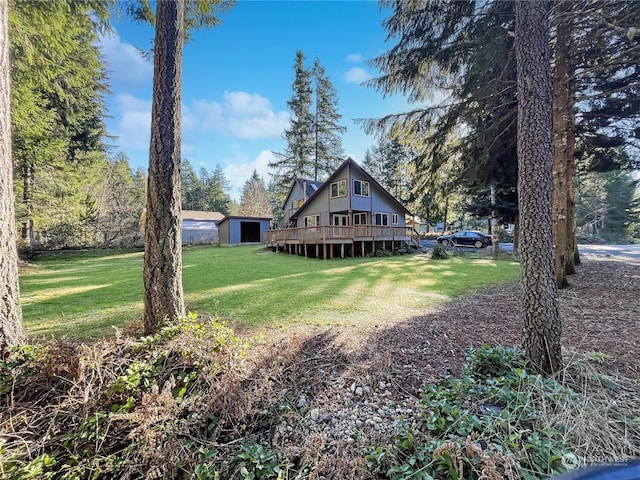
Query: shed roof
{"x": 240, "y": 217}
{"x": 201, "y": 215}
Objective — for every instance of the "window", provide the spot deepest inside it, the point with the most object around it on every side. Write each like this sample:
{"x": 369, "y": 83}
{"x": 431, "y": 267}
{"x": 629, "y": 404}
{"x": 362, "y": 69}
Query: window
{"x": 361, "y": 188}
{"x": 360, "y": 218}
{"x": 382, "y": 219}
{"x": 339, "y": 189}
{"x": 312, "y": 220}
{"x": 394, "y": 219}
{"x": 340, "y": 220}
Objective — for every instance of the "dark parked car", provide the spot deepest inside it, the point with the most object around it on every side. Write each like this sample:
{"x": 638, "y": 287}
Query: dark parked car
{"x": 466, "y": 238}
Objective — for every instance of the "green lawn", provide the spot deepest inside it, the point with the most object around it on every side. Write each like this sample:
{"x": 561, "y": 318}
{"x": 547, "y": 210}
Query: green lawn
{"x": 82, "y": 294}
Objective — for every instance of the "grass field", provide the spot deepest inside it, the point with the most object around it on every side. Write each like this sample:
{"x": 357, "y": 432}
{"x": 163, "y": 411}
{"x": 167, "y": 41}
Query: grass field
{"x": 84, "y": 294}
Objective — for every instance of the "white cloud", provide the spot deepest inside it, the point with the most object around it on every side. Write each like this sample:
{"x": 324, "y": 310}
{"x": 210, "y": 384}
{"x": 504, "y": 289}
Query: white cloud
{"x": 354, "y": 57}
{"x": 133, "y": 123}
{"x": 357, "y": 75}
{"x": 126, "y": 65}
{"x": 238, "y": 173}
{"x": 239, "y": 115}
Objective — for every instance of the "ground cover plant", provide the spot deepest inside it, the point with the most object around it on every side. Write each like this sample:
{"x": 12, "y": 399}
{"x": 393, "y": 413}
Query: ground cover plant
{"x": 392, "y": 400}
{"x": 84, "y": 294}
{"x": 187, "y": 403}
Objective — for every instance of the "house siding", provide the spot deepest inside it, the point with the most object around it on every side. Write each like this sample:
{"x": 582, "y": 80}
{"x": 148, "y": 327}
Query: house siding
{"x": 230, "y": 230}
{"x": 340, "y": 204}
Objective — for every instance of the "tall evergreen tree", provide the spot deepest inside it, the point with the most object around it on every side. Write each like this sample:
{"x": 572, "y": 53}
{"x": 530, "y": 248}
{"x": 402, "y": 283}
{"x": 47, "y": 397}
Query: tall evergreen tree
{"x": 314, "y": 145}
{"x": 162, "y": 273}
{"x": 189, "y": 185}
{"x": 11, "y": 329}
{"x": 218, "y": 198}
{"x": 296, "y": 160}
{"x": 57, "y": 102}
{"x": 254, "y": 199}
{"x": 163, "y": 294}
{"x": 465, "y": 48}
{"x": 541, "y": 325}
{"x": 328, "y": 154}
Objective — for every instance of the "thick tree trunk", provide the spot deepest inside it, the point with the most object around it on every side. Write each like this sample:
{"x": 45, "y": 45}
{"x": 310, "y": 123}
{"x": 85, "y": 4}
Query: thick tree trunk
{"x": 541, "y": 327}
{"x": 11, "y": 330}
{"x": 563, "y": 140}
{"x": 163, "y": 294}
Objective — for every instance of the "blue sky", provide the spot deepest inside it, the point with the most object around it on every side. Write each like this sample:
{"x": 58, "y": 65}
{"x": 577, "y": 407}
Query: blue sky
{"x": 237, "y": 79}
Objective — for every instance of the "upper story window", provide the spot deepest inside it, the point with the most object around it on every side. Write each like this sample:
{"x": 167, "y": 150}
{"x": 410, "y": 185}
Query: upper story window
{"x": 394, "y": 219}
{"x": 339, "y": 188}
{"x": 361, "y": 188}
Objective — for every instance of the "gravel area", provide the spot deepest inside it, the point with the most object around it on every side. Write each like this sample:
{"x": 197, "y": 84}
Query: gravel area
{"x": 347, "y": 387}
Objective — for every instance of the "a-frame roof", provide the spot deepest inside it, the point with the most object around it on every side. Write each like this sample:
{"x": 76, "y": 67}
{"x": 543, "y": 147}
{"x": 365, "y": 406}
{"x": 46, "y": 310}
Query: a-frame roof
{"x": 311, "y": 187}
{"x": 349, "y": 162}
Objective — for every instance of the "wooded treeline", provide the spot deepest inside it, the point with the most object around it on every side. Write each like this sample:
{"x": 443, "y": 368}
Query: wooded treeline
{"x": 70, "y": 189}
{"x": 464, "y": 153}
{"x": 456, "y": 62}
{"x": 443, "y": 162}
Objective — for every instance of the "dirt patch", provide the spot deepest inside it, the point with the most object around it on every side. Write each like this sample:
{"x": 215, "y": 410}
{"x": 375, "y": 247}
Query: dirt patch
{"x": 600, "y": 313}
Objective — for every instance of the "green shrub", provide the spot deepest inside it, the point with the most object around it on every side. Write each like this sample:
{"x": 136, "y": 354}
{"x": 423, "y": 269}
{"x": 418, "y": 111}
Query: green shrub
{"x": 486, "y": 421}
{"x": 121, "y": 408}
{"x": 439, "y": 252}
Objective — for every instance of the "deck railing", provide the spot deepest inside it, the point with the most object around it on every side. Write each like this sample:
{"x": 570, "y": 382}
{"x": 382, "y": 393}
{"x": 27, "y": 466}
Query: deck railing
{"x": 324, "y": 234}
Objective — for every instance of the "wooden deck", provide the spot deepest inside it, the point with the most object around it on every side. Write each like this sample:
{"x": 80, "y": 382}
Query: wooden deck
{"x": 330, "y": 241}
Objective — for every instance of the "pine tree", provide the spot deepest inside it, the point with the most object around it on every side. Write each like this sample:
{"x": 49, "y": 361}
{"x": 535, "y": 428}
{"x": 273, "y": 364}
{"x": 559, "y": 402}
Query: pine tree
{"x": 162, "y": 274}
{"x": 218, "y": 198}
{"x": 11, "y": 329}
{"x": 57, "y": 105}
{"x": 328, "y": 153}
{"x": 297, "y": 159}
{"x": 189, "y": 185}
{"x": 314, "y": 146}
{"x": 541, "y": 325}
{"x": 254, "y": 199}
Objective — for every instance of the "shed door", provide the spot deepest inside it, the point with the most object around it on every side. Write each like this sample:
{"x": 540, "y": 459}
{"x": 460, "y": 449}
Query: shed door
{"x": 250, "y": 232}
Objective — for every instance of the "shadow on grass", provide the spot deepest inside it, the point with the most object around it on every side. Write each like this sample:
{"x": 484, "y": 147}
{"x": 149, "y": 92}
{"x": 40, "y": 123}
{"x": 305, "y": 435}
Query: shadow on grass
{"x": 83, "y": 294}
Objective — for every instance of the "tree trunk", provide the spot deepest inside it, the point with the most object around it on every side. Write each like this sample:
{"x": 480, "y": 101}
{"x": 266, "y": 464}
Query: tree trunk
{"x": 573, "y": 258}
{"x": 516, "y": 236}
{"x": 163, "y": 294}
{"x": 27, "y": 225}
{"x": 563, "y": 139}
{"x": 11, "y": 330}
{"x": 495, "y": 223}
{"x": 541, "y": 326}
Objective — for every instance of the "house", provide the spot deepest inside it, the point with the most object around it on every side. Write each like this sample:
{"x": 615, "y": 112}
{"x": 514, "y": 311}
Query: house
{"x": 235, "y": 230}
{"x": 200, "y": 227}
{"x": 350, "y": 214}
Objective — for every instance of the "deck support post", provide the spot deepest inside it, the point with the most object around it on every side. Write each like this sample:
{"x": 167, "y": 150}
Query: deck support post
{"x": 324, "y": 251}
{"x": 342, "y": 250}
